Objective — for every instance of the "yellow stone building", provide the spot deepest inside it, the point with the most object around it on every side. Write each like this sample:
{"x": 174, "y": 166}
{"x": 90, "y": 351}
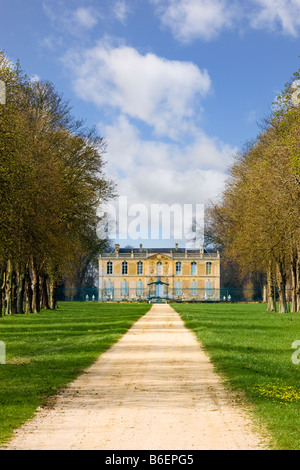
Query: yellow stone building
{"x": 159, "y": 273}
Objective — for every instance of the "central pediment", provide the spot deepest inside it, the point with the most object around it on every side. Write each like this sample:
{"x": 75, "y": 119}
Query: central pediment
{"x": 159, "y": 257}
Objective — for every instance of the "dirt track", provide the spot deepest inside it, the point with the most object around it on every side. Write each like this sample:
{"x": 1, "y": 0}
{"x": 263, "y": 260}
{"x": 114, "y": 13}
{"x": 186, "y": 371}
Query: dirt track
{"x": 154, "y": 390}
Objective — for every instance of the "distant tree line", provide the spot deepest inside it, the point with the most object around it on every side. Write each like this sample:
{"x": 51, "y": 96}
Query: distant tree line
{"x": 51, "y": 185}
{"x": 256, "y": 222}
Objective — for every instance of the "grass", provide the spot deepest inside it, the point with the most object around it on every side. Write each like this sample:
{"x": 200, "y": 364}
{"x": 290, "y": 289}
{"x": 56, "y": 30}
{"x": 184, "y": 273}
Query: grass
{"x": 46, "y": 351}
{"x": 252, "y": 350}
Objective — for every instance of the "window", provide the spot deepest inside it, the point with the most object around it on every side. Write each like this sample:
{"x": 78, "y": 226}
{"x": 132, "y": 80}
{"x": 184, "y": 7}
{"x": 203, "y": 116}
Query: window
{"x": 124, "y": 289}
{"x": 178, "y": 287}
{"x": 109, "y": 267}
{"x": 110, "y": 288}
{"x": 124, "y": 267}
{"x": 194, "y": 288}
{"x": 208, "y": 269}
{"x": 140, "y": 268}
{"x": 139, "y": 288}
{"x": 193, "y": 268}
{"x": 208, "y": 289}
{"x": 159, "y": 290}
{"x": 159, "y": 268}
{"x": 178, "y": 267}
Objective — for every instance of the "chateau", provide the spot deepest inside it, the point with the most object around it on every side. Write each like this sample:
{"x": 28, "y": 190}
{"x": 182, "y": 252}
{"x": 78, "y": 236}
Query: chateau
{"x": 159, "y": 273}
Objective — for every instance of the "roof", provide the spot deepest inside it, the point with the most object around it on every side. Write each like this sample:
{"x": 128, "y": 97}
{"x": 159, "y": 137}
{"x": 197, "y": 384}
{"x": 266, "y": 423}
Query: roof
{"x": 157, "y": 250}
{"x": 144, "y": 252}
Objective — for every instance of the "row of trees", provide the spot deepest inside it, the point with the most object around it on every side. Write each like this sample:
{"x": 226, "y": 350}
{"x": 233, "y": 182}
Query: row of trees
{"x": 51, "y": 185}
{"x": 256, "y": 223}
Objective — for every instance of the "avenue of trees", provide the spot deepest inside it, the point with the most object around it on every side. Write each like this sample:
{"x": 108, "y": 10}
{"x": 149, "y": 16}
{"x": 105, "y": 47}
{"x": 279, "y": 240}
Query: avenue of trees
{"x": 256, "y": 222}
{"x": 51, "y": 185}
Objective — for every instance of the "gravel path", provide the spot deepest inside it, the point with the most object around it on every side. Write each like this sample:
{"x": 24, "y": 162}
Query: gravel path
{"x": 153, "y": 390}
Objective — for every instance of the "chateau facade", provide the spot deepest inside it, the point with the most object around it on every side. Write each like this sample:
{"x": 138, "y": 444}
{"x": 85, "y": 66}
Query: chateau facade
{"x": 159, "y": 273}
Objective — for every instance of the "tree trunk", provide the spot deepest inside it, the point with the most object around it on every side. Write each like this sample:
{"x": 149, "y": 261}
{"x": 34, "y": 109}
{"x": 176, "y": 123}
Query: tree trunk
{"x": 271, "y": 289}
{"x": 2, "y": 271}
{"x": 13, "y": 291}
{"x": 53, "y": 284}
{"x": 35, "y": 287}
{"x": 28, "y": 290}
{"x": 264, "y": 293}
{"x": 298, "y": 282}
{"x": 20, "y": 288}
{"x": 8, "y": 288}
{"x": 44, "y": 292}
{"x": 294, "y": 284}
{"x": 53, "y": 293}
{"x": 282, "y": 287}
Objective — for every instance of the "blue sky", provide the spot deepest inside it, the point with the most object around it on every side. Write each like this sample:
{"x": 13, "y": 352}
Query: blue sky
{"x": 175, "y": 87}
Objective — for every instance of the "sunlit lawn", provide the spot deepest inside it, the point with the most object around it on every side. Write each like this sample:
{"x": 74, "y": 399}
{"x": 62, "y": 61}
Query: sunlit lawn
{"x": 46, "y": 351}
{"x": 252, "y": 349}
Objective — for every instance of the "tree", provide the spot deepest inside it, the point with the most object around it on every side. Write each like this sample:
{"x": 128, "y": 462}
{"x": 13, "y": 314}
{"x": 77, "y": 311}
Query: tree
{"x": 51, "y": 185}
{"x": 257, "y": 220}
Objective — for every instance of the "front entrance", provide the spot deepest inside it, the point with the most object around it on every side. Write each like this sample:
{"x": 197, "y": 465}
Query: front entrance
{"x": 158, "y": 290}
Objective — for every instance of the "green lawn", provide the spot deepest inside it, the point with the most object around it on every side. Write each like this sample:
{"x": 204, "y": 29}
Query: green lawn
{"x": 46, "y": 351}
{"x": 252, "y": 350}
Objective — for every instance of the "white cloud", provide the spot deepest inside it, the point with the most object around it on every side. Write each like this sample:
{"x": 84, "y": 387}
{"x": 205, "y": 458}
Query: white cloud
{"x": 85, "y": 18}
{"x": 69, "y": 21}
{"x": 121, "y": 10}
{"x": 150, "y": 173}
{"x": 155, "y": 172}
{"x": 277, "y": 14}
{"x": 206, "y": 19}
{"x": 191, "y": 19}
{"x": 166, "y": 96}
{"x": 162, "y": 93}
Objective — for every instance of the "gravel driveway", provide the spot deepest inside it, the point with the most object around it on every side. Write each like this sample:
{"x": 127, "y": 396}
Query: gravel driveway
{"x": 153, "y": 390}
